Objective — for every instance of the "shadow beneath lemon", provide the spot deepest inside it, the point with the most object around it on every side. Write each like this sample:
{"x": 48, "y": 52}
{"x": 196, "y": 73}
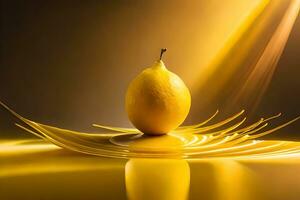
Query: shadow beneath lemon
{"x": 148, "y": 143}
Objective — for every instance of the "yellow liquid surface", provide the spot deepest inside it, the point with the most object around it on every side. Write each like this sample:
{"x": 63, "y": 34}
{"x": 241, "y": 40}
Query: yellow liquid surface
{"x": 34, "y": 169}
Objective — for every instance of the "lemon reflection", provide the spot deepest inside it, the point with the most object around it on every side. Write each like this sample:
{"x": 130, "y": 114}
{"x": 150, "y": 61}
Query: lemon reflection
{"x": 159, "y": 179}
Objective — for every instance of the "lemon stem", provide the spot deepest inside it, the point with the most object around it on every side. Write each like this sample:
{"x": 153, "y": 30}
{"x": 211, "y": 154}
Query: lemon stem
{"x": 162, "y": 51}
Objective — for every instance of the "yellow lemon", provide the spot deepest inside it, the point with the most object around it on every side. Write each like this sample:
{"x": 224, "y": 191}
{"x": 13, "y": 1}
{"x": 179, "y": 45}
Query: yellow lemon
{"x": 157, "y": 100}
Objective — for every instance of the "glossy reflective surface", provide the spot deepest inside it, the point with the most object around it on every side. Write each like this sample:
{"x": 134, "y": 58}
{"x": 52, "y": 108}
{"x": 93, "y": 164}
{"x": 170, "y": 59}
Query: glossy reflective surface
{"x": 34, "y": 169}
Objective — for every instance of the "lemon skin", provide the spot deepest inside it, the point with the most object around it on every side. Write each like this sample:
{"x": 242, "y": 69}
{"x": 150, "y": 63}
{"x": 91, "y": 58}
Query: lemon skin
{"x": 157, "y": 100}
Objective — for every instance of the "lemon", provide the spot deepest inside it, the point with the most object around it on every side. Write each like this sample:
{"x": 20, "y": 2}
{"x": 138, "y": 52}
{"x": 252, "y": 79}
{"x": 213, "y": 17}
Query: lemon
{"x": 157, "y": 100}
